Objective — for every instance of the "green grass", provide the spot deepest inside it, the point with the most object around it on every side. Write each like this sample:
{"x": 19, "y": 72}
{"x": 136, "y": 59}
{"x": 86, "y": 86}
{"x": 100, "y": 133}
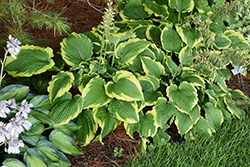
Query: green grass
{"x": 230, "y": 147}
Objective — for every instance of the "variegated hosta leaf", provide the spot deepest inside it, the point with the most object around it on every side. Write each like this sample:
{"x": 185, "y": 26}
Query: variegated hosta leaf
{"x": 189, "y": 35}
{"x": 31, "y": 60}
{"x": 149, "y": 83}
{"x": 124, "y": 111}
{"x": 94, "y": 93}
{"x": 153, "y": 33}
{"x": 13, "y": 162}
{"x": 238, "y": 41}
{"x": 152, "y": 67}
{"x": 213, "y": 115}
{"x": 185, "y": 96}
{"x": 76, "y": 48}
{"x": 230, "y": 105}
{"x": 195, "y": 114}
{"x": 195, "y": 79}
{"x": 88, "y": 127}
{"x": 125, "y": 87}
{"x": 59, "y": 84}
{"x": 41, "y": 101}
{"x": 183, "y": 123}
{"x": 170, "y": 40}
{"x": 222, "y": 41}
{"x": 151, "y": 97}
{"x": 164, "y": 110}
{"x": 157, "y": 10}
{"x": 182, "y": 5}
{"x": 34, "y": 158}
{"x": 106, "y": 121}
{"x": 116, "y": 38}
{"x": 172, "y": 67}
{"x": 127, "y": 51}
{"x": 64, "y": 142}
{"x": 202, "y": 127}
{"x": 185, "y": 56}
{"x": 16, "y": 91}
{"x": 67, "y": 110}
{"x": 134, "y": 13}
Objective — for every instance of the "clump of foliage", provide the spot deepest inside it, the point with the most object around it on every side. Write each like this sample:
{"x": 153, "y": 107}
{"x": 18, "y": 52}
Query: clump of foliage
{"x": 19, "y": 16}
{"x": 159, "y": 64}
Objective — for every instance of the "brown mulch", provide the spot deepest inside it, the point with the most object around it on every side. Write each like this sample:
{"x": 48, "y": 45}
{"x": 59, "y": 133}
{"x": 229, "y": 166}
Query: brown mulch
{"x": 83, "y": 17}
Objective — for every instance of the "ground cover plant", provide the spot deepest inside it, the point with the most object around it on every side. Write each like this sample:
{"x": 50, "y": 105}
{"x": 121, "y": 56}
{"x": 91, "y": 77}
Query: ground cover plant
{"x": 159, "y": 65}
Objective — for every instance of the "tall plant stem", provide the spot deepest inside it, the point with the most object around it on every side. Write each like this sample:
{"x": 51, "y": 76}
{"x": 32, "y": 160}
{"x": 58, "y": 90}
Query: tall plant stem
{"x": 3, "y": 62}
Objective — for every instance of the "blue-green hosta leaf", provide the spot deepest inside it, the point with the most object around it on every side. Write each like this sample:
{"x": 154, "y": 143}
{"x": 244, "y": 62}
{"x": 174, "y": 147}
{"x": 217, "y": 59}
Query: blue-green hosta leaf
{"x": 149, "y": 83}
{"x": 189, "y": 35}
{"x": 125, "y": 87}
{"x": 152, "y": 67}
{"x": 182, "y": 5}
{"x": 31, "y": 60}
{"x": 49, "y": 151}
{"x": 94, "y": 93}
{"x": 16, "y": 91}
{"x": 41, "y": 101}
{"x": 170, "y": 40}
{"x": 222, "y": 41}
{"x": 127, "y": 51}
{"x": 164, "y": 110}
{"x": 231, "y": 107}
{"x": 238, "y": 41}
{"x": 12, "y": 162}
{"x": 59, "y": 84}
{"x": 156, "y": 9}
{"x": 185, "y": 56}
{"x": 195, "y": 79}
{"x": 34, "y": 158}
{"x": 66, "y": 111}
{"x": 64, "y": 142}
{"x": 134, "y": 13}
{"x": 37, "y": 129}
{"x": 42, "y": 117}
{"x": 213, "y": 115}
{"x": 30, "y": 139}
{"x": 88, "y": 127}
{"x": 124, "y": 111}
{"x": 185, "y": 96}
{"x": 183, "y": 123}
{"x": 153, "y": 33}
{"x": 76, "y": 48}
{"x": 106, "y": 121}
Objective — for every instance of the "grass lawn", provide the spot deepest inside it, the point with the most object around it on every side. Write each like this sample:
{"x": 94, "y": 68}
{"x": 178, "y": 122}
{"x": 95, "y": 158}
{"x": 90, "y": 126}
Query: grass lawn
{"x": 230, "y": 147}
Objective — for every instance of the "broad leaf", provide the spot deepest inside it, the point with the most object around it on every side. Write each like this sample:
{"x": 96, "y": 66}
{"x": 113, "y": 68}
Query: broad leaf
{"x": 202, "y": 127}
{"x": 124, "y": 111}
{"x": 64, "y": 142}
{"x": 195, "y": 114}
{"x": 66, "y": 111}
{"x": 41, "y": 101}
{"x": 34, "y": 158}
{"x": 16, "y": 91}
{"x": 195, "y": 79}
{"x": 182, "y": 5}
{"x": 157, "y": 10}
{"x": 134, "y": 13}
{"x": 152, "y": 67}
{"x": 127, "y": 51}
{"x": 235, "y": 111}
{"x": 31, "y": 60}
{"x": 94, "y": 93}
{"x": 125, "y": 87}
{"x": 185, "y": 56}
{"x": 149, "y": 83}
{"x": 153, "y": 33}
{"x": 170, "y": 40}
{"x": 12, "y": 162}
{"x": 59, "y": 84}
{"x": 222, "y": 41}
{"x": 185, "y": 96}
{"x": 151, "y": 97}
{"x": 76, "y": 48}
{"x": 88, "y": 127}
{"x": 213, "y": 115}
{"x": 183, "y": 123}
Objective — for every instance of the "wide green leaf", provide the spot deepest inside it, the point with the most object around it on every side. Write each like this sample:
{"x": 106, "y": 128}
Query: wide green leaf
{"x": 125, "y": 87}
{"x": 185, "y": 56}
{"x": 170, "y": 40}
{"x": 76, "y": 48}
{"x": 156, "y": 9}
{"x": 202, "y": 128}
{"x": 230, "y": 105}
{"x": 88, "y": 127}
{"x": 37, "y": 129}
{"x": 16, "y": 91}
{"x": 69, "y": 128}
{"x": 94, "y": 93}
{"x": 124, "y": 111}
{"x": 185, "y": 96}
{"x": 222, "y": 41}
{"x": 31, "y": 60}
{"x": 148, "y": 124}
{"x": 106, "y": 121}
{"x": 151, "y": 97}
{"x": 182, "y": 5}
{"x": 183, "y": 123}
{"x": 213, "y": 115}
{"x": 195, "y": 114}
{"x": 134, "y": 13}
{"x": 41, "y": 101}
{"x": 189, "y": 35}
{"x": 153, "y": 33}
{"x": 34, "y": 158}
{"x": 64, "y": 142}
{"x": 127, "y": 51}
{"x": 30, "y": 139}
{"x": 195, "y": 79}
{"x": 66, "y": 111}
{"x": 152, "y": 67}
{"x": 237, "y": 39}
{"x": 12, "y": 162}
{"x": 149, "y": 83}
{"x": 59, "y": 84}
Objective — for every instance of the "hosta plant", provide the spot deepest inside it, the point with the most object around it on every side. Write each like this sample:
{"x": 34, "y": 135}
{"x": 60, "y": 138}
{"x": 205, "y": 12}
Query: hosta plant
{"x": 28, "y": 136}
{"x": 160, "y": 64}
